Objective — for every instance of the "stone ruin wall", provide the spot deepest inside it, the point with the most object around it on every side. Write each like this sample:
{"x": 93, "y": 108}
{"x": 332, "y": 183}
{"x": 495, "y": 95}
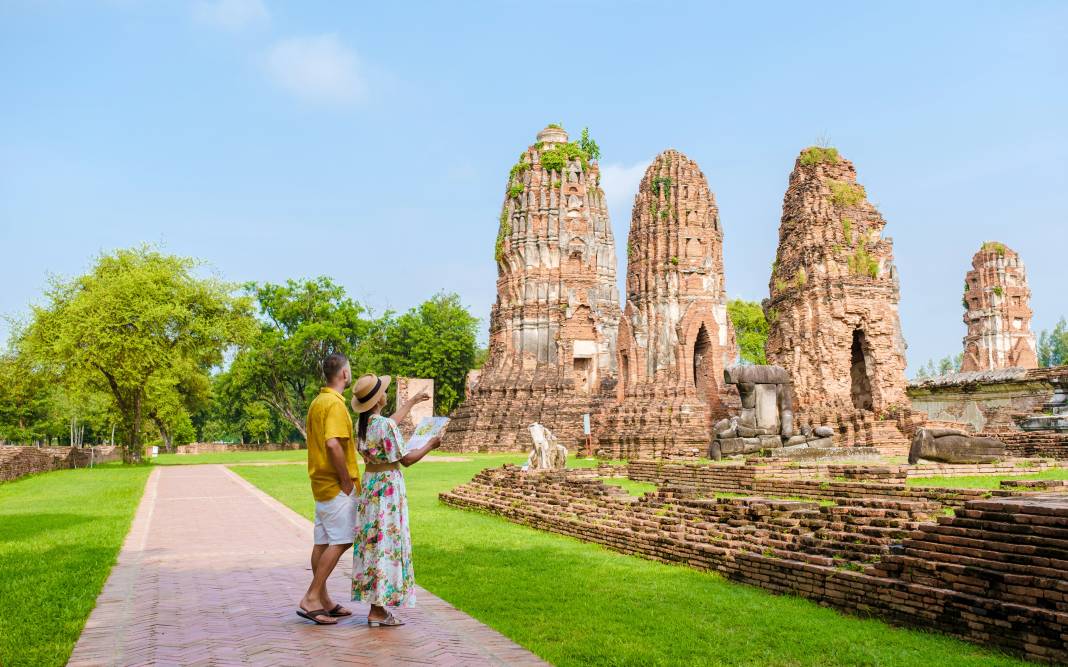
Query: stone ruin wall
{"x": 553, "y": 328}
{"x": 675, "y": 338}
{"x": 986, "y": 400}
{"x": 993, "y": 573}
{"x": 19, "y": 461}
{"x": 833, "y": 307}
{"x": 997, "y": 312}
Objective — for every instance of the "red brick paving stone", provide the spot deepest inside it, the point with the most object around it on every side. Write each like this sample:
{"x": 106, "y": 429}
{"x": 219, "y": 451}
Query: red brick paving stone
{"x": 211, "y": 572}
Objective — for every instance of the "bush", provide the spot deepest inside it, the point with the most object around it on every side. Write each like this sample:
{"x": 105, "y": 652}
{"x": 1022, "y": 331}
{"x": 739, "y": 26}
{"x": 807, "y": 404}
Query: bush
{"x": 818, "y": 155}
{"x": 997, "y": 247}
{"x": 846, "y": 194}
{"x": 801, "y": 277}
{"x": 557, "y": 157}
{"x": 861, "y": 263}
{"x": 503, "y": 232}
{"x": 515, "y": 190}
{"x": 847, "y": 230}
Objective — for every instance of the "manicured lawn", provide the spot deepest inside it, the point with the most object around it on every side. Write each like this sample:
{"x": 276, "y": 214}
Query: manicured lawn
{"x": 575, "y": 603}
{"x": 59, "y": 535}
{"x": 984, "y": 481}
{"x": 290, "y": 455}
{"x": 630, "y": 486}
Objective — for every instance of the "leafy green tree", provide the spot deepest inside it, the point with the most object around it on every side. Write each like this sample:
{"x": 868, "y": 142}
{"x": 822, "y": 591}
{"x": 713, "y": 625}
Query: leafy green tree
{"x": 434, "y": 340}
{"x": 25, "y": 400}
{"x": 750, "y": 329}
{"x": 944, "y": 366}
{"x": 125, "y": 327}
{"x": 1053, "y": 345}
{"x": 301, "y": 324}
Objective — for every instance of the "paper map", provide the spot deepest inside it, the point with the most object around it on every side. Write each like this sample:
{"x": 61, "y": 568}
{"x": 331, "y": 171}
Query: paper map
{"x": 427, "y": 429}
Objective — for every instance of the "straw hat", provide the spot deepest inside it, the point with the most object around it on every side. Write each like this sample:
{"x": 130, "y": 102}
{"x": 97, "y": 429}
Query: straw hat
{"x": 367, "y": 390}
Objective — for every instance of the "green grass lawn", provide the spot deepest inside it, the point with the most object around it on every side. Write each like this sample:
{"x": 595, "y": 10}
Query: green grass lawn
{"x": 290, "y": 455}
{"x": 59, "y": 535}
{"x": 984, "y": 481}
{"x": 630, "y": 486}
{"x": 575, "y": 603}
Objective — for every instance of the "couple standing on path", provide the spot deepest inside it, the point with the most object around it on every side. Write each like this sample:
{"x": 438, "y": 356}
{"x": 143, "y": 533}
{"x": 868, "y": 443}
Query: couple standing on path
{"x": 372, "y": 515}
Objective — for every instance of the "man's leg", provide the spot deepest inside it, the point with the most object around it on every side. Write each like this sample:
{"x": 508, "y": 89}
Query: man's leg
{"x": 315, "y": 597}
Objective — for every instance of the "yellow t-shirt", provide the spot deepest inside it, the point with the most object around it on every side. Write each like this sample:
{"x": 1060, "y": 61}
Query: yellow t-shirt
{"x": 328, "y": 417}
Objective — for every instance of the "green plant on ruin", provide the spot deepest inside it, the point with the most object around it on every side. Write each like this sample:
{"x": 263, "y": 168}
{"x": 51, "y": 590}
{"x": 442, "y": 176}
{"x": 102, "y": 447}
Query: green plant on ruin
{"x": 861, "y": 263}
{"x": 997, "y": 247}
{"x": 556, "y": 183}
{"x": 665, "y": 213}
{"x": 661, "y": 184}
{"x": 998, "y": 290}
{"x": 967, "y": 288}
{"x": 630, "y": 250}
{"x": 503, "y": 232}
{"x": 674, "y": 261}
{"x": 589, "y": 145}
{"x": 819, "y": 154}
{"x": 846, "y": 194}
{"x": 555, "y": 126}
{"x": 847, "y": 230}
{"x": 836, "y": 249}
{"x": 800, "y": 278}
{"x": 964, "y": 302}
{"x": 772, "y": 315}
{"x": 515, "y": 190}
{"x": 519, "y": 168}
{"x": 557, "y": 157}
{"x": 780, "y": 285}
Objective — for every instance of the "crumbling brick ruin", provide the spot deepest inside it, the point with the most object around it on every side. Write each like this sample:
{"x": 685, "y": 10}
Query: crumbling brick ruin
{"x": 552, "y": 354}
{"x": 991, "y": 571}
{"x": 675, "y": 338}
{"x": 833, "y": 306}
{"x": 997, "y": 312}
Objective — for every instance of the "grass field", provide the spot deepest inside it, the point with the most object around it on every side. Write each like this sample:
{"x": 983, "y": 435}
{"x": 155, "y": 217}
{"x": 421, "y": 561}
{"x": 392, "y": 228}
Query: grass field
{"x": 984, "y": 482}
{"x": 59, "y": 535}
{"x": 292, "y": 455}
{"x": 575, "y": 603}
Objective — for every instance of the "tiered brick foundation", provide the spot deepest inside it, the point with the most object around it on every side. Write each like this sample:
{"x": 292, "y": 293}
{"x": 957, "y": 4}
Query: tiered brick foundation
{"x": 994, "y": 574}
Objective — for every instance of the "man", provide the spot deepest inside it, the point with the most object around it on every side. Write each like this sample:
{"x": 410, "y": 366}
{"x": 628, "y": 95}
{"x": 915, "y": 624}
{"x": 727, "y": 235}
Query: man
{"x": 333, "y": 471}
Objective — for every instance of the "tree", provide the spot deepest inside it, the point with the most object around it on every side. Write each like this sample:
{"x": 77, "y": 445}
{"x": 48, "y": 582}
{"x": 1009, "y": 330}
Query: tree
{"x": 434, "y": 340}
{"x": 750, "y": 329}
{"x": 126, "y": 327}
{"x": 943, "y": 366}
{"x": 1053, "y": 345}
{"x": 301, "y": 324}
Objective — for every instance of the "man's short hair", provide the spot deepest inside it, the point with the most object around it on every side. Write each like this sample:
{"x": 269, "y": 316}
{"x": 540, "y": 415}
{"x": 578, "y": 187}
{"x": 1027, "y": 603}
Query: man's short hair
{"x": 333, "y": 364}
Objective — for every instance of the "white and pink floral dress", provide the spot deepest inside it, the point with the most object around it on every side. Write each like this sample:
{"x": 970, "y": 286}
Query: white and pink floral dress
{"x": 382, "y": 571}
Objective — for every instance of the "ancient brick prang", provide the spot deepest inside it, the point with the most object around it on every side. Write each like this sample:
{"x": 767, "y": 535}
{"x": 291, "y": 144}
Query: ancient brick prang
{"x": 834, "y": 293}
{"x": 675, "y": 338}
{"x": 997, "y": 312}
{"x": 553, "y": 329}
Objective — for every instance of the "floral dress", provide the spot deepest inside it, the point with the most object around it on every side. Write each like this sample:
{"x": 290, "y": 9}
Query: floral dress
{"x": 382, "y": 549}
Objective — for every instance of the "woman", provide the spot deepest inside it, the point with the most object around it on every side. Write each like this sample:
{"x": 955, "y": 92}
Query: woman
{"x": 382, "y": 550}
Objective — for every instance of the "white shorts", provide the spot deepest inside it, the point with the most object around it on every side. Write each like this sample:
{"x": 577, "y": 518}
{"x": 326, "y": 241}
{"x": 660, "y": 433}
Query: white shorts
{"x": 335, "y": 520}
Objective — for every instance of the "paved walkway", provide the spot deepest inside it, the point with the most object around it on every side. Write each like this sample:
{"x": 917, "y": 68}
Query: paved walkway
{"x": 211, "y": 572}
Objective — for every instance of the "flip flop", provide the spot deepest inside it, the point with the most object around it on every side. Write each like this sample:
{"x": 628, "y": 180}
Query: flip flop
{"x": 314, "y": 615}
{"x": 390, "y": 621}
{"x": 337, "y": 612}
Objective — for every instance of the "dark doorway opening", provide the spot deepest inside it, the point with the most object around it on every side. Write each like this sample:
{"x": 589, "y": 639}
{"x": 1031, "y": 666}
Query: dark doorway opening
{"x": 858, "y": 373}
{"x": 701, "y": 347}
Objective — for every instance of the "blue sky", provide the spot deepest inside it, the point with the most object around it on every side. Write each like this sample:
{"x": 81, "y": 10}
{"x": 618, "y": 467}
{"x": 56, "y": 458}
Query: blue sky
{"x": 371, "y": 141}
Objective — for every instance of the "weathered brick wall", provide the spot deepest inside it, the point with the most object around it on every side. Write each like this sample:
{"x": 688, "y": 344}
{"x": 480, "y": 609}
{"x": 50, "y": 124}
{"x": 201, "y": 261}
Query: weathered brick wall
{"x": 219, "y": 447}
{"x": 16, "y": 462}
{"x": 994, "y": 574}
{"x": 1034, "y": 443}
{"x": 986, "y": 400}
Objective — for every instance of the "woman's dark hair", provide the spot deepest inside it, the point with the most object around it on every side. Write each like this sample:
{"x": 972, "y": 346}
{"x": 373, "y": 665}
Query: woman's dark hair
{"x": 361, "y": 429}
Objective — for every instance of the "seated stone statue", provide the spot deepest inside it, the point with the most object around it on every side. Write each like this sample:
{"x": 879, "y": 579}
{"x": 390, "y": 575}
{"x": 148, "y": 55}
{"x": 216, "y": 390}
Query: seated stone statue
{"x": 548, "y": 453}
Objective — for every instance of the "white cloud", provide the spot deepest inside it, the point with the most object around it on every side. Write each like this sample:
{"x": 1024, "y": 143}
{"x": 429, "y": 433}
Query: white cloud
{"x": 231, "y": 14}
{"x": 319, "y": 69}
{"x": 620, "y": 184}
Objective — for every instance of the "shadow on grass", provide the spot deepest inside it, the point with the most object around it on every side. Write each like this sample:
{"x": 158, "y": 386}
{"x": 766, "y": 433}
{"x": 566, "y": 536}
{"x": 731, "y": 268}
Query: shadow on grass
{"x": 24, "y": 527}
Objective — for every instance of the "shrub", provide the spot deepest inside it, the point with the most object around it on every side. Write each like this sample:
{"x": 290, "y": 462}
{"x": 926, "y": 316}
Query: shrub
{"x": 846, "y": 194}
{"x": 818, "y": 154}
{"x": 674, "y": 261}
{"x": 997, "y": 247}
{"x": 780, "y": 285}
{"x": 556, "y": 126}
{"x": 847, "y": 230}
{"x": 503, "y": 232}
{"x": 998, "y": 290}
{"x": 556, "y": 183}
{"x": 589, "y": 145}
{"x": 661, "y": 184}
{"x": 861, "y": 263}
{"x": 519, "y": 168}
{"x": 515, "y": 190}
{"x": 557, "y": 157}
{"x": 801, "y": 277}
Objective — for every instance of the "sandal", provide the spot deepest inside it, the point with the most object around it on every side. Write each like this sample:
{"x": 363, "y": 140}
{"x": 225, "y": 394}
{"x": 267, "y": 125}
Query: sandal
{"x": 390, "y": 621}
{"x": 339, "y": 612}
{"x": 314, "y": 616}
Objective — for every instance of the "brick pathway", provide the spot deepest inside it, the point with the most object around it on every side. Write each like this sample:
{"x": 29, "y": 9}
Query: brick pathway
{"x": 211, "y": 572}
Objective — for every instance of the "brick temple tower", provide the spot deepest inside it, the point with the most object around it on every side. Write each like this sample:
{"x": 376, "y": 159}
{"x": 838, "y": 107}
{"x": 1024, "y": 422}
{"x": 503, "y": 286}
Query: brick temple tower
{"x": 834, "y": 293}
{"x": 675, "y": 338}
{"x": 552, "y": 354}
{"x": 997, "y": 312}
